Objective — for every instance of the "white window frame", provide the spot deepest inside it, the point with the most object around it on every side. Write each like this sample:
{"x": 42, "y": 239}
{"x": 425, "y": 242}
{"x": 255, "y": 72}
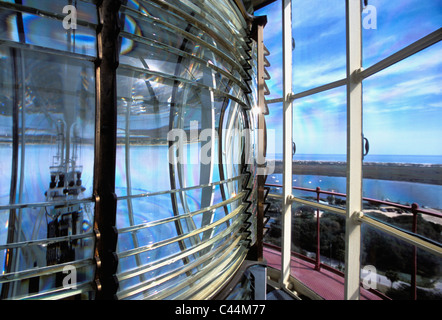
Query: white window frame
{"x": 353, "y": 82}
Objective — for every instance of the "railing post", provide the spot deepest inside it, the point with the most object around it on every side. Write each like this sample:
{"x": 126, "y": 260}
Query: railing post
{"x": 414, "y": 208}
{"x": 318, "y": 235}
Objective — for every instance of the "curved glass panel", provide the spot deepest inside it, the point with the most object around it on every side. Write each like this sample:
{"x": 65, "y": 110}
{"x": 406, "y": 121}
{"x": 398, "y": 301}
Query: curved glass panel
{"x": 185, "y": 176}
{"x": 182, "y": 134}
{"x": 46, "y": 24}
{"x": 47, "y": 112}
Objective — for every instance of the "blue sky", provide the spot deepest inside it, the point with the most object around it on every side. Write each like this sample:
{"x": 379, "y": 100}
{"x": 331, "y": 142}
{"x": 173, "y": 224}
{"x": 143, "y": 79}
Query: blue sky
{"x": 402, "y": 104}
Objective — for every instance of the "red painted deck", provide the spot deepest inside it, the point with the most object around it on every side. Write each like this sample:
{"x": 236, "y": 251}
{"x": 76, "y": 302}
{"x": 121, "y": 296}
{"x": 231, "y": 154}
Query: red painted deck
{"x": 325, "y": 283}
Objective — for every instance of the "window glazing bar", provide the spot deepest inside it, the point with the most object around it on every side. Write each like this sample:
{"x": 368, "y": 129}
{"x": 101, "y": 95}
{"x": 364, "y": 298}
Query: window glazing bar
{"x": 325, "y": 87}
{"x": 45, "y": 50}
{"x": 412, "y": 238}
{"x": 406, "y": 52}
{"x": 328, "y": 86}
{"x": 276, "y": 100}
{"x": 317, "y": 205}
{"x": 354, "y": 150}
{"x": 287, "y": 144}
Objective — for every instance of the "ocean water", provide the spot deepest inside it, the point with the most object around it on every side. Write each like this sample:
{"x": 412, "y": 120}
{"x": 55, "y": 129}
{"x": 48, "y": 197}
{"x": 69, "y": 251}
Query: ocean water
{"x": 423, "y": 159}
{"x": 426, "y": 195}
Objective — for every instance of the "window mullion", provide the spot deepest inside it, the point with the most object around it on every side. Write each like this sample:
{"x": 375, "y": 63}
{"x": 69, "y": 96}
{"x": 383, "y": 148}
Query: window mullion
{"x": 287, "y": 143}
{"x": 354, "y": 149}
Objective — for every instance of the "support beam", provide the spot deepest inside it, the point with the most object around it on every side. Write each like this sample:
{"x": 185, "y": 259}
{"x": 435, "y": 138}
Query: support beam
{"x": 287, "y": 143}
{"x": 354, "y": 150}
{"x": 105, "y": 150}
{"x": 260, "y": 23}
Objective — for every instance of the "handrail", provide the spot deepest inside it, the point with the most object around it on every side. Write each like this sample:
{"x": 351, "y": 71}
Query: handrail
{"x": 412, "y": 207}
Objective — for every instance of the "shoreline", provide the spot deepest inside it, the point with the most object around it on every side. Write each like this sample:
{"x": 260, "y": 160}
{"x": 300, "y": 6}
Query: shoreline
{"x": 408, "y": 172}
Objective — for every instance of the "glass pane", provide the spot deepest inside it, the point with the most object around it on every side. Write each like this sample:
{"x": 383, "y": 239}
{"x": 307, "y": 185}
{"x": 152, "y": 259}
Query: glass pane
{"x": 402, "y": 123}
{"x": 391, "y": 261}
{"x": 319, "y": 56}
{"x": 319, "y": 126}
{"x": 47, "y": 121}
{"x": 390, "y": 26}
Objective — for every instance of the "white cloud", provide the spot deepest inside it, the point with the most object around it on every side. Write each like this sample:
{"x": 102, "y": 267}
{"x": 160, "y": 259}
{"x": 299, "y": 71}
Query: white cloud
{"x": 316, "y": 13}
{"x": 307, "y": 76}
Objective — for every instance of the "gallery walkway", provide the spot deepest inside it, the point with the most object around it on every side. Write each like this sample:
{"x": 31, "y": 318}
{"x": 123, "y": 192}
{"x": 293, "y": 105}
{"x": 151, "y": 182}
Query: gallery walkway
{"x": 327, "y": 284}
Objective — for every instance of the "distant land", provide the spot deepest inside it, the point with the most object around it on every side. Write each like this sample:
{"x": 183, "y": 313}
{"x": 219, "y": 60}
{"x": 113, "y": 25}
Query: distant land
{"x": 410, "y": 172}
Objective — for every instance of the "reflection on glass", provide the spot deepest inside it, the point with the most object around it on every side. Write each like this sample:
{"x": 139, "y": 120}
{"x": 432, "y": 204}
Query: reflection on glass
{"x": 48, "y": 139}
{"x": 47, "y": 112}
